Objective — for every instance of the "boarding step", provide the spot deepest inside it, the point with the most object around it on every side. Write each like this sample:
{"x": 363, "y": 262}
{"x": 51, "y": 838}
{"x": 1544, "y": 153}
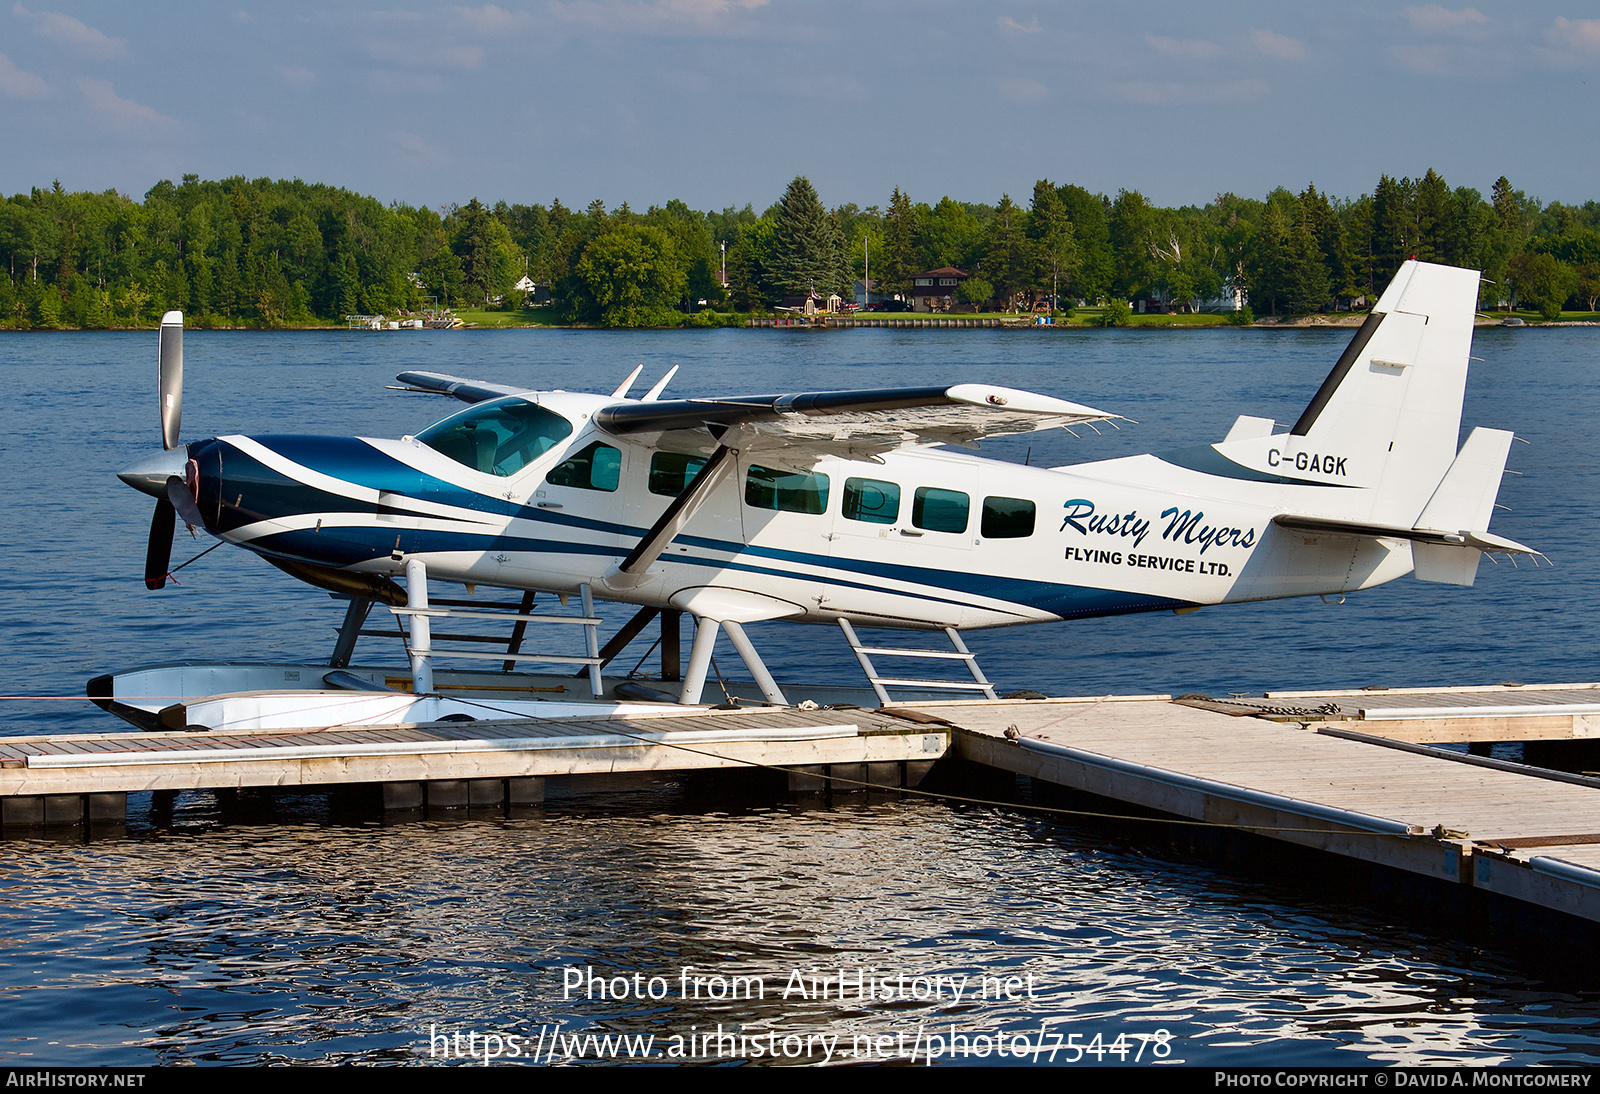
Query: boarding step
{"x": 881, "y": 684}
{"x": 415, "y": 620}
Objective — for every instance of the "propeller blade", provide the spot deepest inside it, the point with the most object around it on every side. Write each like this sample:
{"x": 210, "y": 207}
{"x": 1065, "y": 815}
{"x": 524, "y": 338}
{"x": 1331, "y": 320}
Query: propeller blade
{"x": 171, "y": 380}
{"x": 158, "y": 555}
{"x": 181, "y": 497}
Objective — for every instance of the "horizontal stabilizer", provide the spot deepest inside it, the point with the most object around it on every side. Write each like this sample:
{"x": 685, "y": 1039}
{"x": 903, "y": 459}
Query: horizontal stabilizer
{"x": 1465, "y": 496}
{"x": 1483, "y": 541}
{"x": 468, "y": 391}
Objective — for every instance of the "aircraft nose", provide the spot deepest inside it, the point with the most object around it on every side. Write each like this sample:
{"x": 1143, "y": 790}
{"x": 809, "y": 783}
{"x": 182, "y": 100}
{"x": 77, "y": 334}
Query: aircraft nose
{"x": 150, "y": 475}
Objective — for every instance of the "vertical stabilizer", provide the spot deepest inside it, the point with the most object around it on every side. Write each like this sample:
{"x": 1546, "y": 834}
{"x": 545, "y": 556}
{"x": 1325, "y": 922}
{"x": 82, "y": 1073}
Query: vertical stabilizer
{"x": 1395, "y": 395}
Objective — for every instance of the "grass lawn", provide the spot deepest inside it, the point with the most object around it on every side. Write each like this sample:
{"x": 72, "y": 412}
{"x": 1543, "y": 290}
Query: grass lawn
{"x": 1535, "y": 317}
{"x": 525, "y": 317}
{"x": 1089, "y": 317}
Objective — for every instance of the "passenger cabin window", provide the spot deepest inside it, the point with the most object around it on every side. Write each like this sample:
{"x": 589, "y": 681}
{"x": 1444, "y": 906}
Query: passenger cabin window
{"x": 871, "y": 501}
{"x": 671, "y": 472}
{"x": 786, "y": 491}
{"x": 598, "y": 467}
{"x": 498, "y": 438}
{"x": 1007, "y": 518}
{"x": 940, "y": 510}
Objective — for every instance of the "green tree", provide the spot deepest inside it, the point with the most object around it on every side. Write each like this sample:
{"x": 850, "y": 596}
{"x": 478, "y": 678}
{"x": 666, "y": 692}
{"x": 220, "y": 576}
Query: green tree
{"x": 1541, "y": 282}
{"x": 807, "y": 253}
{"x": 750, "y": 280}
{"x": 900, "y": 253}
{"x": 1089, "y": 215}
{"x": 1053, "y": 238}
{"x": 1010, "y": 262}
{"x": 633, "y": 276}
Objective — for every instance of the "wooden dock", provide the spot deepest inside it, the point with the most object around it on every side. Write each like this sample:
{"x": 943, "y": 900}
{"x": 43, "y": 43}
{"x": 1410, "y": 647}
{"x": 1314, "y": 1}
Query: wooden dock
{"x": 72, "y": 777}
{"x": 1526, "y": 833}
{"x": 1348, "y": 773}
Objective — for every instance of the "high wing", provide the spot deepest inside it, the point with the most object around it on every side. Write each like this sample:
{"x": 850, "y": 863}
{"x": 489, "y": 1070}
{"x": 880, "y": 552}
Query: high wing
{"x": 468, "y": 391}
{"x": 847, "y": 424}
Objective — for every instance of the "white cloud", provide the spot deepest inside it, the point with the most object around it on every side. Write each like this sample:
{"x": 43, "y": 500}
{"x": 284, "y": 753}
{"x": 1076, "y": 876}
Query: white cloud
{"x": 1021, "y": 90}
{"x": 297, "y": 77}
{"x": 1433, "y": 19}
{"x": 415, "y": 147}
{"x": 1183, "y": 47}
{"x": 17, "y": 84}
{"x": 492, "y": 20}
{"x": 119, "y": 114}
{"x": 1575, "y": 36}
{"x": 1153, "y": 93}
{"x": 654, "y": 16}
{"x": 70, "y": 32}
{"x": 1278, "y": 45}
{"x": 1005, "y": 22}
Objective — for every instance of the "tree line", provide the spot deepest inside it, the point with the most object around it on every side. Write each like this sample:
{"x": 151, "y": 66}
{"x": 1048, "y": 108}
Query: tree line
{"x": 239, "y": 252}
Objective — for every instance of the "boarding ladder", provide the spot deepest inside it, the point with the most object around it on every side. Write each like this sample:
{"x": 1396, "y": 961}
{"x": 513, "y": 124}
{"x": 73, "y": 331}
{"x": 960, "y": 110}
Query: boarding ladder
{"x": 882, "y": 684}
{"x": 417, "y": 615}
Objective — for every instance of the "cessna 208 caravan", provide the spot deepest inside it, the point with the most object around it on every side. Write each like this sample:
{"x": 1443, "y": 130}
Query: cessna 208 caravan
{"x": 841, "y": 508}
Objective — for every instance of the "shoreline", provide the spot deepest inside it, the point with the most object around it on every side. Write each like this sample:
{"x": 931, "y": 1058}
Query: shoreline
{"x": 909, "y": 321}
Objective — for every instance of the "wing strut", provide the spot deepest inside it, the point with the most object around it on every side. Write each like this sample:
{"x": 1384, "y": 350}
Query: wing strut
{"x": 632, "y": 569}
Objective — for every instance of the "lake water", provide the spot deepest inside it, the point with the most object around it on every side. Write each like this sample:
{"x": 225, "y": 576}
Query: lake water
{"x": 292, "y": 931}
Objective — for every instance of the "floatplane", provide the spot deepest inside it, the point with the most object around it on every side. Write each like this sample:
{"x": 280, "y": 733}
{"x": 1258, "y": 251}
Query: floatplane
{"x": 840, "y": 508}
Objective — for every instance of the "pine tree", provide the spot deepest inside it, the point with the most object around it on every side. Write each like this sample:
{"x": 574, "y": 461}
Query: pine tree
{"x": 1011, "y": 261}
{"x": 1051, "y": 231}
{"x": 804, "y": 256}
{"x": 899, "y": 262}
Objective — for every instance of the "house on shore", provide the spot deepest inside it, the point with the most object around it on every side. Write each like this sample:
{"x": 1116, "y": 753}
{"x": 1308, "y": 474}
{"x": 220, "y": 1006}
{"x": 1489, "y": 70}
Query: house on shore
{"x": 935, "y": 290}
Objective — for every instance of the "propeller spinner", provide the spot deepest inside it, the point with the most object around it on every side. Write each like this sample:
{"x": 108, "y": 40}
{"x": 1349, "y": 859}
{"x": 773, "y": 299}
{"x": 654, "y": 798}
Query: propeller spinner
{"x": 163, "y": 477}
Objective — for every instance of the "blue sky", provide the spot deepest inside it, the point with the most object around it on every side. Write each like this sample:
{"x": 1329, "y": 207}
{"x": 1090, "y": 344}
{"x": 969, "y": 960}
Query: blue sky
{"x": 722, "y": 102}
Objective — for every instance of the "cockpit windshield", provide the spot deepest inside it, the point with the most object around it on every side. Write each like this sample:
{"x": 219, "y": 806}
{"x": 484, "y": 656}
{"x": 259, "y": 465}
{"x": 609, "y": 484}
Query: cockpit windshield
{"x": 498, "y": 438}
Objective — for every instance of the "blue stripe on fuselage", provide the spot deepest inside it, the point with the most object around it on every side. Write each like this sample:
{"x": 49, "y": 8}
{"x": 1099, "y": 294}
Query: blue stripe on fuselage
{"x": 358, "y": 462}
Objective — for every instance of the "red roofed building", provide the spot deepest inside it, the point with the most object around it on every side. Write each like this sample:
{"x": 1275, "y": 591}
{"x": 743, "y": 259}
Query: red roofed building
{"x": 935, "y": 290}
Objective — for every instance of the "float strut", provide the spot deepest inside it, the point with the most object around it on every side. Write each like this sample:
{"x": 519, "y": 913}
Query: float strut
{"x": 355, "y": 616}
{"x": 753, "y": 662}
{"x": 591, "y": 635}
{"x": 420, "y": 643}
{"x": 705, "y": 638}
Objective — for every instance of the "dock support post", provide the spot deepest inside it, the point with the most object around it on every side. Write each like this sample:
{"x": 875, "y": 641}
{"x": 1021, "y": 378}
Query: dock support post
{"x": 355, "y": 616}
{"x": 671, "y": 636}
{"x": 705, "y": 638}
{"x": 526, "y": 789}
{"x": 753, "y": 662}
{"x": 419, "y": 644}
{"x": 591, "y": 635}
{"x": 107, "y": 808}
{"x": 808, "y": 780}
{"x": 402, "y": 796}
{"x": 21, "y": 810}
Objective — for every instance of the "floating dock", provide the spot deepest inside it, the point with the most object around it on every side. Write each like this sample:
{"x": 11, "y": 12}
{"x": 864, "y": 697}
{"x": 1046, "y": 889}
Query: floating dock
{"x": 69, "y": 778}
{"x": 1356, "y": 774}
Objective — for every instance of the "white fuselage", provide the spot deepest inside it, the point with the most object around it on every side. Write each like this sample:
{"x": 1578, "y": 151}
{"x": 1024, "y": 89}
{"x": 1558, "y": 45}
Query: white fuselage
{"x": 958, "y": 547}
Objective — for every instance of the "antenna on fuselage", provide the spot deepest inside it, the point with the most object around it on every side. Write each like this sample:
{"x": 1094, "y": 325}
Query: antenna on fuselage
{"x": 626, "y": 384}
{"x": 661, "y": 385}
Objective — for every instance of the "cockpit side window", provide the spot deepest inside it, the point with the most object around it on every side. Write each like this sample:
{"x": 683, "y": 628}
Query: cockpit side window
{"x": 498, "y": 438}
{"x": 598, "y": 467}
{"x": 670, "y": 472}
